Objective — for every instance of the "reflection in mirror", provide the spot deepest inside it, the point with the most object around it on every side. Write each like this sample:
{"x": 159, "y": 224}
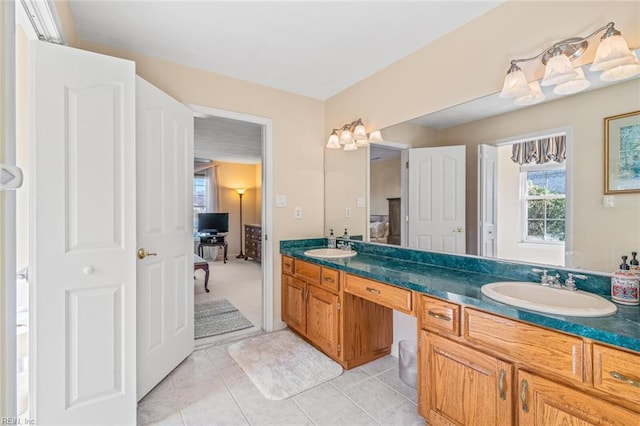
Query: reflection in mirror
{"x": 596, "y": 233}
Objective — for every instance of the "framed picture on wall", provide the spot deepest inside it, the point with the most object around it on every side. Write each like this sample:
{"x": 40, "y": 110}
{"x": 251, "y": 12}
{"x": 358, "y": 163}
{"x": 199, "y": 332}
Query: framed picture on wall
{"x": 622, "y": 153}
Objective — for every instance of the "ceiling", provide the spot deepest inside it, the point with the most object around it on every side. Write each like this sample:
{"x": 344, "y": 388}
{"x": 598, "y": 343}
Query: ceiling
{"x": 227, "y": 140}
{"x": 312, "y": 48}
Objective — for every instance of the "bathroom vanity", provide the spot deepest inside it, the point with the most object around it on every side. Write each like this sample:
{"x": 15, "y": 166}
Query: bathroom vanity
{"x": 480, "y": 362}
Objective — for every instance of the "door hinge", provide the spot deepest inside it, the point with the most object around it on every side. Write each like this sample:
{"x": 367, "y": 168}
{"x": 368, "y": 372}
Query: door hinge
{"x": 339, "y": 348}
{"x": 407, "y": 164}
{"x": 339, "y": 305}
{"x": 10, "y": 177}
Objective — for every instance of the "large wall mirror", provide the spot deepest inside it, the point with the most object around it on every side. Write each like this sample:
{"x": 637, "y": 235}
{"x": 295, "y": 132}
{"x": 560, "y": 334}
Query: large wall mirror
{"x": 570, "y": 222}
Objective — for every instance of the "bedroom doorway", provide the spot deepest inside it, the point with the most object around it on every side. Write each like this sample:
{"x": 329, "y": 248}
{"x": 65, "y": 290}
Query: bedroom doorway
{"x": 232, "y": 178}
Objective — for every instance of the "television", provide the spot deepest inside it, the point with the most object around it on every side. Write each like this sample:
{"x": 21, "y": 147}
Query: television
{"x": 213, "y": 223}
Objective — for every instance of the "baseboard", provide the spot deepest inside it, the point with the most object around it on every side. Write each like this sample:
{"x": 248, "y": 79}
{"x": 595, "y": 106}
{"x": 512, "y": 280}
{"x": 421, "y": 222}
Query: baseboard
{"x": 279, "y": 325}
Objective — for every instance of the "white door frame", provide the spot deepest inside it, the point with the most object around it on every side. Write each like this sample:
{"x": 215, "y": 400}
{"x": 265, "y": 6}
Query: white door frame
{"x": 8, "y": 392}
{"x": 267, "y": 202}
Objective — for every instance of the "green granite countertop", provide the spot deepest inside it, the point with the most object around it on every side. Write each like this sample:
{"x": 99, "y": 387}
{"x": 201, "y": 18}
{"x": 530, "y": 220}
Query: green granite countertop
{"x": 463, "y": 286}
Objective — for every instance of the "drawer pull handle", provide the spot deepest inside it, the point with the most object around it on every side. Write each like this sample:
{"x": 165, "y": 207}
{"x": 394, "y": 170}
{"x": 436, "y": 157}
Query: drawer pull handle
{"x": 523, "y": 396}
{"x": 329, "y": 280}
{"x": 503, "y": 374}
{"x": 373, "y": 290}
{"x": 439, "y": 316}
{"x": 625, "y": 379}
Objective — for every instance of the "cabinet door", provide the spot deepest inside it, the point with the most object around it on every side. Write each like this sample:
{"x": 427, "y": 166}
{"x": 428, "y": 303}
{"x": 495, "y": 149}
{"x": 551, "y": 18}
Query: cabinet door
{"x": 543, "y": 402}
{"x": 461, "y": 386}
{"x": 322, "y": 319}
{"x": 293, "y": 306}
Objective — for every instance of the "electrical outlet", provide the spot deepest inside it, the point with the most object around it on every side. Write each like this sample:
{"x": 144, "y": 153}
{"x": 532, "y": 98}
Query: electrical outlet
{"x": 347, "y": 212}
{"x": 297, "y": 213}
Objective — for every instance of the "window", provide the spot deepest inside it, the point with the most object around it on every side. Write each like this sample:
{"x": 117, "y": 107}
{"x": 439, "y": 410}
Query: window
{"x": 199, "y": 198}
{"x": 544, "y": 203}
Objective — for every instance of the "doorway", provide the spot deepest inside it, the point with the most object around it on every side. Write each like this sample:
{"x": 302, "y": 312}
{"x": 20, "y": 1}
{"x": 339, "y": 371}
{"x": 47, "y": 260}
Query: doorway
{"x": 233, "y": 151}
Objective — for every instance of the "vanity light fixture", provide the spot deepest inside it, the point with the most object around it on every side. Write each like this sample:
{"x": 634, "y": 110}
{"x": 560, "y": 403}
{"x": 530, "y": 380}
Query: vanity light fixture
{"x": 352, "y": 136}
{"x": 613, "y": 58}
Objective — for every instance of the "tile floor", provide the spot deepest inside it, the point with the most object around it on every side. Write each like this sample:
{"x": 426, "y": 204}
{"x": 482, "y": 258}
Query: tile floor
{"x": 209, "y": 388}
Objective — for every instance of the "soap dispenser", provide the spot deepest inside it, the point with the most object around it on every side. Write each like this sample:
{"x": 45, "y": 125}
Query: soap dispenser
{"x": 331, "y": 240}
{"x": 346, "y": 234}
{"x": 634, "y": 263}
{"x": 625, "y": 285}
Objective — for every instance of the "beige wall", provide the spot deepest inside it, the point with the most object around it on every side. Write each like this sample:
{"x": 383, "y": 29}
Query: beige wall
{"x": 472, "y": 61}
{"x": 232, "y": 176}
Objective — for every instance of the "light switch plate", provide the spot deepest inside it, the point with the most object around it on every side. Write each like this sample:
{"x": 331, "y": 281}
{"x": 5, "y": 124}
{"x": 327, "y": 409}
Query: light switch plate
{"x": 281, "y": 201}
{"x": 360, "y": 202}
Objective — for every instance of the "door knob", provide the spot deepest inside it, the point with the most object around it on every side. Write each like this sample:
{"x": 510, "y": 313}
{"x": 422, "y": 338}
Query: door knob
{"x": 142, "y": 253}
{"x": 458, "y": 229}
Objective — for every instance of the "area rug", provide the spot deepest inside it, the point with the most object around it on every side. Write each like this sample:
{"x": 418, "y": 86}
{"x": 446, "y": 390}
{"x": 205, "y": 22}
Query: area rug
{"x": 218, "y": 317}
{"x": 282, "y": 365}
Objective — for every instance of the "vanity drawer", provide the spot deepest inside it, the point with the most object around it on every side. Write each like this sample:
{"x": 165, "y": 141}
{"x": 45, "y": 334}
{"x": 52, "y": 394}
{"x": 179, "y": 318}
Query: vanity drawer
{"x": 308, "y": 272}
{"x": 330, "y": 280}
{"x": 617, "y": 372}
{"x": 439, "y": 316}
{"x": 382, "y": 294}
{"x": 287, "y": 265}
{"x": 538, "y": 347}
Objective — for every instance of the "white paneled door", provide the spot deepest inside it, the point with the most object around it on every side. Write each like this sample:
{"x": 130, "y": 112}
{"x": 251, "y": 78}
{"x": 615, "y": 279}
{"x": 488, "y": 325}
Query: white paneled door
{"x": 83, "y": 237}
{"x": 165, "y": 231}
{"x": 436, "y": 205}
{"x": 488, "y": 200}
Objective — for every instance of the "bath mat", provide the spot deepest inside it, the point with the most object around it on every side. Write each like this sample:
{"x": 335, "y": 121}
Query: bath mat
{"x": 218, "y": 317}
{"x": 282, "y": 365}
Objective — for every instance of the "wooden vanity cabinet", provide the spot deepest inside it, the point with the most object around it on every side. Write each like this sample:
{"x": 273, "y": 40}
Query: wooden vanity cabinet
{"x": 461, "y": 386}
{"x": 496, "y": 370}
{"x": 543, "y": 402}
{"x": 349, "y": 329}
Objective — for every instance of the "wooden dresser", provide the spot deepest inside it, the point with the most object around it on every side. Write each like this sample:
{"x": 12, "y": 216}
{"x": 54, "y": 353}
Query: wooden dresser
{"x": 253, "y": 242}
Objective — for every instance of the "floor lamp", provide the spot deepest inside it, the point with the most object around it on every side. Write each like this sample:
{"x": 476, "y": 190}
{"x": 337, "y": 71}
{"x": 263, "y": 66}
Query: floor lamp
{"x": 241, "y": 192}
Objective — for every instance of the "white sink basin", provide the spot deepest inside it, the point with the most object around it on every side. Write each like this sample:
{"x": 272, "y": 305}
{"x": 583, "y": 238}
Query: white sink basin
{"x": 330, "y": 253}
{"x": 539, "y": 298}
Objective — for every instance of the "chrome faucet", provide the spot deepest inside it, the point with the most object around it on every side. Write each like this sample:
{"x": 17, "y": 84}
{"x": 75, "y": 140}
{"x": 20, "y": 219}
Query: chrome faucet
{"x": 554, "y": 281}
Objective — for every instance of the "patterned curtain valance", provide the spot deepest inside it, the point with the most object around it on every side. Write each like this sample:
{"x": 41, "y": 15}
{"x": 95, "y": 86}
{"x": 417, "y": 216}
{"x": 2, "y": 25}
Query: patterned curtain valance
{"x": 540, "y": 151}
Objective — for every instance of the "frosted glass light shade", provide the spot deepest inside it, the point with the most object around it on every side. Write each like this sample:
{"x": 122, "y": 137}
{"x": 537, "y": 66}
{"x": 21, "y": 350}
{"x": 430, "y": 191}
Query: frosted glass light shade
{"x": 534, "y": 96}
{"x": 558, "y": 70}
{"x": 375, "y": 136}
{"x": 350, "y": 146}
{"x": 362, "y": 143}
{"x": 572, "y": 86}
{"x": 359, "y": 133}
{"x": 346, "y": 137}
{"x": 333, "y": 142}
{"x": 515, "y": 84}
{"x": 612, "y": 52}
{"x": 622, "y": 71}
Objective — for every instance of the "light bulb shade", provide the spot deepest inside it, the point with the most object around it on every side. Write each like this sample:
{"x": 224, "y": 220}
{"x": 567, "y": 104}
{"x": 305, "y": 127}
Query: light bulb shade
{"x": 534, "y": 96}
{"x": 572, "y": 86}
{"x": 241, "y": 190}
{"x": 375, "y": 136}
{"x": 360, "y": 133}
{"x": 363, "y": 143}
{"x": 515, "y": 84}
{"x": 622, "y": 71}
{"x": 346, "y": 137}
{"x": 351, "y": 146}
{"x": 333, "y": 142}
{"x": 558, "y": 70}
{"x": 612, "y": 52}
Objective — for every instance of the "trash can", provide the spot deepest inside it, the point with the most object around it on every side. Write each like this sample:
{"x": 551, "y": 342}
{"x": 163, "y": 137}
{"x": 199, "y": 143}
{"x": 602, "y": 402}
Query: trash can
{"x": 408, "y": 351}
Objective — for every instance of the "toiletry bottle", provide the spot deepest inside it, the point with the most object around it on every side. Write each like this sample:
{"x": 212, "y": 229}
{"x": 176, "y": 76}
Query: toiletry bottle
{"x": 346, "y": 234}
{"x": 625, "y": 285}
{"x": 331, "y": 240}
{"x": 634, "y": 263}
